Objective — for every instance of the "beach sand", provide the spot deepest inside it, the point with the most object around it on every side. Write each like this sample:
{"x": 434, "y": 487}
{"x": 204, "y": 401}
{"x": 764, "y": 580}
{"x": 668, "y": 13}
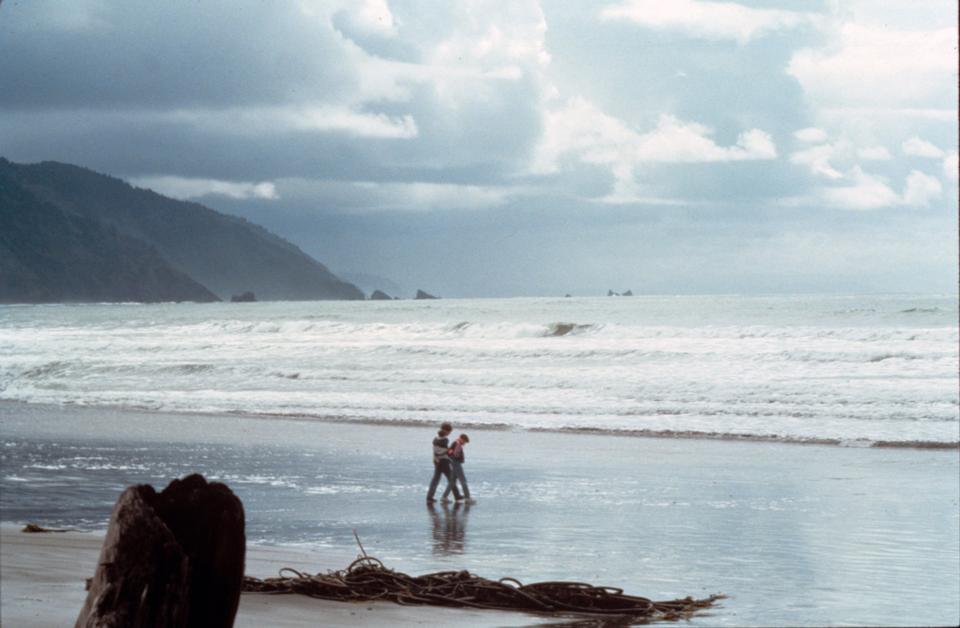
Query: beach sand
{"x": 793, "y": 534}
{"x": 43, "y": 575}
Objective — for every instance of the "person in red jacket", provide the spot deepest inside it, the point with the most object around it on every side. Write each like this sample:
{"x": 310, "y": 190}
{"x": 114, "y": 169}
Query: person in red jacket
{"x": 457, "y": 460}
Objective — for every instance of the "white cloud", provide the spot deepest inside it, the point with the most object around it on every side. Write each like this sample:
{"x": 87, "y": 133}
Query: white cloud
{"x": 830, "y": 159}
{"x": 709, "y": 20}
{"x": 875, "y": 66}
{"x": 874, "y": 153}
{"x": 490, "y": 40}
{"x": 887, "y": 113}
{"x": 865, "y": 192}
{"x": 419, "y": 196}
{"x": 325, "y": 118}
{"x": 922, "y": 148}
{"x": 188, "y": 188}
{"x": 817, "y": 159}
{"x": 951, "y": 166}
{"x": 372, "y": 16}
{"x": 811, "y": 134}
{"x": 921, "y": 189}
{"x": 413, "y": 196}
{"x": 581, "y": 130}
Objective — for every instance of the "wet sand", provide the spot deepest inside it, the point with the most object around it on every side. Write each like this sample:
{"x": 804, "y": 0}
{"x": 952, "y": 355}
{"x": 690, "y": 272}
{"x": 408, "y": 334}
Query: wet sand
{"x": 43, "y": 578}
{"x": 795, "y": 535}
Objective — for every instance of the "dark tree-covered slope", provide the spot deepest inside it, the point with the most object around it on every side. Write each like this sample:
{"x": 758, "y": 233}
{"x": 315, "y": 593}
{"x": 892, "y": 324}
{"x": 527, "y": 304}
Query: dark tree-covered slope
{"x": 49, "y": 256}
{"x": 225, "y": 253}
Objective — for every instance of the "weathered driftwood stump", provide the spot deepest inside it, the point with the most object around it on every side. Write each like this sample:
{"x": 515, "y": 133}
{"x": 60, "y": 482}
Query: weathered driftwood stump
{"x": 170, "y": 559}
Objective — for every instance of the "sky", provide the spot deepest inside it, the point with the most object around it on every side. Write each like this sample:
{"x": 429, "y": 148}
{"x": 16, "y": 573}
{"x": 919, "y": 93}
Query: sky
{"x": 519, "y": 147}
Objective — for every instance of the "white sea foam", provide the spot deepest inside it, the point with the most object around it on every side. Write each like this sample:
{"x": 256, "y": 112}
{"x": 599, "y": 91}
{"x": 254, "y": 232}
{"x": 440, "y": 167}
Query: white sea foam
{"x": 846, "y": 368}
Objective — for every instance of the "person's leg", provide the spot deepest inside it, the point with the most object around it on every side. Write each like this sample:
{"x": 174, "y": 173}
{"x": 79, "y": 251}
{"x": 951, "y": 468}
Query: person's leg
{"x": 463, "y": 480}
{"x": 457, "y": 474}
{"x": 437, "y": 472}
{"x": 451, "y": 479}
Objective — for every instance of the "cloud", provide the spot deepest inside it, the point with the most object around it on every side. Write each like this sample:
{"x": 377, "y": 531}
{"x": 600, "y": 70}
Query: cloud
{"x": 580, "y": 132}
{"x": 940, "y": 114}
{"x": 874, "y": 153}
{"x": 921, "y": 189}
{"x": 583, "y": 131}
{"x": 421, "y": 196}
{"x": 323, "y": 119}
{"x": 370, "y": 16}
{"x": 708, "y": 20}
{"x": 922, "y": 148}
{"x": 817, "y": 159}
{"x": 811, "y": 134}
{"x": 866, "y": 192}
{"x": 77, "y": 17}
{"x": 950, "y": 166}
{"x": 869, "y": 192}
{"x": 363, "y": 197}
{"x": 822, "y": 160}
{"x": 189, "y": 188}
{"x": 866, "y": 65}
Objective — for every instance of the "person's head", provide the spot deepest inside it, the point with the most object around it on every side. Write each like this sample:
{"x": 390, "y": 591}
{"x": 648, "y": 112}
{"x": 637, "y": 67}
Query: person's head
{"x": 445, "y": 428}
{"x": 464, "y": 439}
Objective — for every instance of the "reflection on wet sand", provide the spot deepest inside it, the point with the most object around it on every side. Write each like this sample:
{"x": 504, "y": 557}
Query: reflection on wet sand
{"x": 449, "y": 525}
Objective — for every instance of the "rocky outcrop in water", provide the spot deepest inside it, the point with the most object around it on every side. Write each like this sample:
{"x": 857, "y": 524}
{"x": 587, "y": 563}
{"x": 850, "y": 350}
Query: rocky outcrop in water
{"x": 244, "y": 297}
{"x": 379, "y": 295}
{"x": 424, "y": 295}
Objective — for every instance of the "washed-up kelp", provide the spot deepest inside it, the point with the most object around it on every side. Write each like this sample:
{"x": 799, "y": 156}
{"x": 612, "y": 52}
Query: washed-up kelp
{"x": 367, "y": 579}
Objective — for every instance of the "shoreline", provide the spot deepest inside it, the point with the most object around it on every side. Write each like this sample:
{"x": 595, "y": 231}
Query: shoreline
{"x": 665, "y": 434}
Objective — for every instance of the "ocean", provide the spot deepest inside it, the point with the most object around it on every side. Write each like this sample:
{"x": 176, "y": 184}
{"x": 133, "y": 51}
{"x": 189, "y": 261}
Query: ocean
{"x": 849, "y": 370}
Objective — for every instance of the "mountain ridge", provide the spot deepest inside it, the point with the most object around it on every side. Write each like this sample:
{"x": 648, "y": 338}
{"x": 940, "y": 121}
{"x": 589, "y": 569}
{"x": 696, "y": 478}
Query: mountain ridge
{"x": 223, "y": 253}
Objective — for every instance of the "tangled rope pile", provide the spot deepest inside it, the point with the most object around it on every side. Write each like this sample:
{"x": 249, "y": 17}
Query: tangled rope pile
{"x": 367, "y": 579}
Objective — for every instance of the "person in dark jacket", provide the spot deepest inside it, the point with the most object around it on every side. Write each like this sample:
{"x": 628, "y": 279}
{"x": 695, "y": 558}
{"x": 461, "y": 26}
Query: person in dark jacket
{"x": 457, "y": 460}
{"x": 441, "y": 463}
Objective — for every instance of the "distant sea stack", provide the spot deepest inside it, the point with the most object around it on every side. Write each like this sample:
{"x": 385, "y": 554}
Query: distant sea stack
{"x": 424, "y": 295}
{"x": 369, "y": 283}
{"x": 379, "y": 295}
{"x": 104, "y": 240}
{"x": 244, "y": 297}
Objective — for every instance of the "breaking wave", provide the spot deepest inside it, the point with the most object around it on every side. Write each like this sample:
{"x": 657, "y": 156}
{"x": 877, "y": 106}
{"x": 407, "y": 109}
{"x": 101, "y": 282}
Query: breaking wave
{"x": 879, "y": 373}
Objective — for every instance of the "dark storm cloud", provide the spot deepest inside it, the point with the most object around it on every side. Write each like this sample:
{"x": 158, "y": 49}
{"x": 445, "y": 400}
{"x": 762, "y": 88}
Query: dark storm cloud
{"x": 149, "y": 55}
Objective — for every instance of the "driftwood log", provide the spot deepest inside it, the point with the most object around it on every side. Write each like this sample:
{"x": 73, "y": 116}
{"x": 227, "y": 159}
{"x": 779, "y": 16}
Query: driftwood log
{"x": 173, "y": 558}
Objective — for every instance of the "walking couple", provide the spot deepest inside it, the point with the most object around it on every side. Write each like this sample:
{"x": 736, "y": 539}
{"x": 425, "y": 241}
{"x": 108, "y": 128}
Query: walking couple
{"x": 448, "y": 461}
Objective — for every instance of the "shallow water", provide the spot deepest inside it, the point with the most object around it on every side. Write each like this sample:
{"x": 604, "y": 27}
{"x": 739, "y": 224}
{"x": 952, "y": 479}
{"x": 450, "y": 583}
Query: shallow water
{"x": 796, "y": 535}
